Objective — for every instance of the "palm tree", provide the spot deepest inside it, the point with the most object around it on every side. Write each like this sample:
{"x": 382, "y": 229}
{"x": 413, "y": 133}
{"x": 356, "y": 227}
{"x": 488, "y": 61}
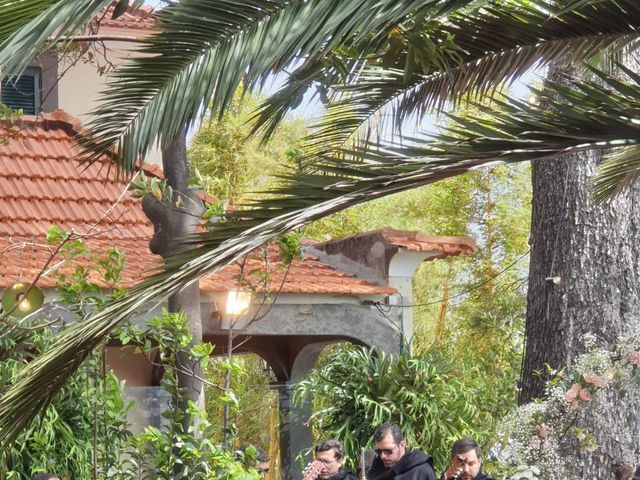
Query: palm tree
{"x": 204, "y": 50}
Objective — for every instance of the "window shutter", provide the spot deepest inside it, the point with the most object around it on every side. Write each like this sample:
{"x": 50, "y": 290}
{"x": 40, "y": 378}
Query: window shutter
{"x": 22, "y": 92}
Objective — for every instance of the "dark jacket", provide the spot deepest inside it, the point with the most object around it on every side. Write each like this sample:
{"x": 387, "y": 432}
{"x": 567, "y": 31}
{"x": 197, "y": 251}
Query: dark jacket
{"x": 344, "y": 475}
{"x": 480, "y": 476}
{"x": 414, "y": 465}
{"x": 483, "y": 476}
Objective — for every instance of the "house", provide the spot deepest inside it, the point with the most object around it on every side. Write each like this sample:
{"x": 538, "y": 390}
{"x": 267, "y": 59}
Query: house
{"x": 73, "y": 80}
{"x": 331, "y": 295}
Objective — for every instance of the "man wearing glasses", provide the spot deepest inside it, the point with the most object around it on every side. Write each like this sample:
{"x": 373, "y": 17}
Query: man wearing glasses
{"x": 331, "y": 455}
{"x": 394, "y": 460}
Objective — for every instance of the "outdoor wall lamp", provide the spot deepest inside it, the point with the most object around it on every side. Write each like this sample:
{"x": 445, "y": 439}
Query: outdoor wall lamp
{"x": 22, "y": 299}
{"x": 237, "y": 304}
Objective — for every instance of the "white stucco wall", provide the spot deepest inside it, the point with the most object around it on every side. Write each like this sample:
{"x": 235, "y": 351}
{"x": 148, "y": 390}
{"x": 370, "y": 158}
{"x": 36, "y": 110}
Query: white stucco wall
{"x": 79, "y": 86}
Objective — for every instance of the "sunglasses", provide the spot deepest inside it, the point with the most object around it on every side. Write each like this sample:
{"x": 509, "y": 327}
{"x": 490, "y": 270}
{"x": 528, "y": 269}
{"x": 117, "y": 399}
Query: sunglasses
{"x": 386, "y": 451}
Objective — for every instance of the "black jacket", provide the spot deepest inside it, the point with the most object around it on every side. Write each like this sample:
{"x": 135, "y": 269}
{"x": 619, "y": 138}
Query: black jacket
{"x": 483, "y": 476}
{"x": 413, "y": 465}
{"x": 344, "y": 475}
{"x": 480, "y": 476}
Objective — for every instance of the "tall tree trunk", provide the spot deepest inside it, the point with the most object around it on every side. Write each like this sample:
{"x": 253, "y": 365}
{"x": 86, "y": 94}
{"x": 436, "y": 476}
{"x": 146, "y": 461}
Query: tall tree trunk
{"x": 583, "y": 279}
{"x": 172, "y": 223}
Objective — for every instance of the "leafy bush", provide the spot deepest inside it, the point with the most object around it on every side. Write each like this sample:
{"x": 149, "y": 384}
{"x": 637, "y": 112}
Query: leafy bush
{"x": 84, "y": 433}
{"x": 62, "y": 439}
{"x": 358, "y": 389}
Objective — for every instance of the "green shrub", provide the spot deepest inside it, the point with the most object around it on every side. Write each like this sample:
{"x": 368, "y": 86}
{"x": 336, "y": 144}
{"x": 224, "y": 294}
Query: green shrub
{"x": 358, "y": 389}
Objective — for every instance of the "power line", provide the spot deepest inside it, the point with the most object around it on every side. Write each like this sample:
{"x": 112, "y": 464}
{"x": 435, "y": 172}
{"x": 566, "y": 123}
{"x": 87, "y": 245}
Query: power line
{"x": 484, "y": 282}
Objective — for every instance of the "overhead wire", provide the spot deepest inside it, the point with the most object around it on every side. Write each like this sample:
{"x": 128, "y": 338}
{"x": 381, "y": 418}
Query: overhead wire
{"x": 465, "y": 292}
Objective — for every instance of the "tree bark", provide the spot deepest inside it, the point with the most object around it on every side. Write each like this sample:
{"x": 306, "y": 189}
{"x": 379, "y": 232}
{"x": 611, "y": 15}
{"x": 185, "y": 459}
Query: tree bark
{"x": 171, "y": 224}
{"x": 583, "y": 279}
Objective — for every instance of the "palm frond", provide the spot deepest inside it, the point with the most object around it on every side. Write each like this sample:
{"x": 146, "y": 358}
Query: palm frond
{"x": 496, "y": 44}
{"x": 27, "y": 26}
{"x": 314, "y": 71}
{"x": 621, "y": 170}
{"x": 205, "y": 49}
{"x": 341, "y": 65}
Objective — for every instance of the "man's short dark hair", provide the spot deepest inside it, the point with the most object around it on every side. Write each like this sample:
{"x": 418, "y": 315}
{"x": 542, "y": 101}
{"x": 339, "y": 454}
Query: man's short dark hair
{"x": 334, "y": 445}
{"x": 43, "y": 476}
{"x": 465, "y": 445}
{"x": 388, "y": 427}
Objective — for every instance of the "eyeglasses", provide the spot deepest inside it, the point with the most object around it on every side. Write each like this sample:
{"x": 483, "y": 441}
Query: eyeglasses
{"x": 386, "y": 451}
{"x": 327, "y": 462}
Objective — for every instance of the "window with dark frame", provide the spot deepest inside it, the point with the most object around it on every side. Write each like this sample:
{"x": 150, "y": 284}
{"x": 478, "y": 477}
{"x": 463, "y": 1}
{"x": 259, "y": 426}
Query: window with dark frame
{"x": 23, "y": 91}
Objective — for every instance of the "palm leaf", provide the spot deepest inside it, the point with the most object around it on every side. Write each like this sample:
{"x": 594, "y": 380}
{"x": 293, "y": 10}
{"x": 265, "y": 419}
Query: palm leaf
{"x": 341, "y": 65}
{"x": 616, "y": 174}
{"x": 497, "y": 43}
{"x": 27, "y": 26}
{"x": 315, "y": 71}
{"x": 206, "y": 49}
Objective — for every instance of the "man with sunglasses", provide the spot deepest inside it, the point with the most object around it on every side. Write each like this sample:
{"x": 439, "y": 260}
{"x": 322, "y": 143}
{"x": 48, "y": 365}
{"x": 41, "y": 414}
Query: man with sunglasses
{"x": 331, "y": 455}
{"x": 394, "y": 460}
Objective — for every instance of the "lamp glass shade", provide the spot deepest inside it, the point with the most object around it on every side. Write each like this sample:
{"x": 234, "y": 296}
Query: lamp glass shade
{"x": 19, "y": 300}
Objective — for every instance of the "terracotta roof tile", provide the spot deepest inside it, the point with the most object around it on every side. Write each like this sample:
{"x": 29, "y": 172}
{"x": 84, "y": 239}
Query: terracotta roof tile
{"x": 138, "y": 19}
{"x": 419, "y": 242}
{"x": 41, "y": 185}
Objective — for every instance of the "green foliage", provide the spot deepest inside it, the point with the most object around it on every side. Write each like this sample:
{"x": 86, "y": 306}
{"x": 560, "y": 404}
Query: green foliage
{"x": 154, "y": 186}
{"x": 8, "y": 116}
{"x": 84, "y": 433}
{"x": 172, "y": 452}
{"x": 230, "y": 165}
{"x": 89, "y": 410}
{"x": 470, "y": 308}
{"x": 61, "y": 440}
{"x": 358, "y": 389}
{"x": 289, "y": 247}
{"x": 207, "y": 65}
{"x": 252, "y": 400}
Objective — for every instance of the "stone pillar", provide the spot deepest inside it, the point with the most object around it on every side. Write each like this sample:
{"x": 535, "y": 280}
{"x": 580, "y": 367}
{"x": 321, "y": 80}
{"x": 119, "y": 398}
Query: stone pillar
{"x": 402, "y": 267}
{"x": 287, "y": 453}
{"x": 295, "y": 434}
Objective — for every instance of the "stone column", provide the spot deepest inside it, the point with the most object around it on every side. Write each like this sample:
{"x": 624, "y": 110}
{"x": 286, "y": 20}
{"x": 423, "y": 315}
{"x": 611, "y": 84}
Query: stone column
{"x": 295, "y": 434}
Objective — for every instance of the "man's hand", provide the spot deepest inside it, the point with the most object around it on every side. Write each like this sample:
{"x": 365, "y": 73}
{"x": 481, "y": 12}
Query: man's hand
{"x": 455, "y": 468}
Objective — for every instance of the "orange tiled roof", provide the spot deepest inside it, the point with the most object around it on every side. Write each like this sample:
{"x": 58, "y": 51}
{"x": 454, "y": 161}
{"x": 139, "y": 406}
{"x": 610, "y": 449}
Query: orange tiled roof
{"x": 138, "y": 19}
{"x": 412, "y": 241}
{"x": 41, "y": 185}
{"x": 419, "y": 242}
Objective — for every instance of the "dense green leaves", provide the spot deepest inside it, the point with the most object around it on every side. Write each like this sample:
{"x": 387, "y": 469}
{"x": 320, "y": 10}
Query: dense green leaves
{"x": 357, "y": 390}
{"x": 230, "y": 166}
